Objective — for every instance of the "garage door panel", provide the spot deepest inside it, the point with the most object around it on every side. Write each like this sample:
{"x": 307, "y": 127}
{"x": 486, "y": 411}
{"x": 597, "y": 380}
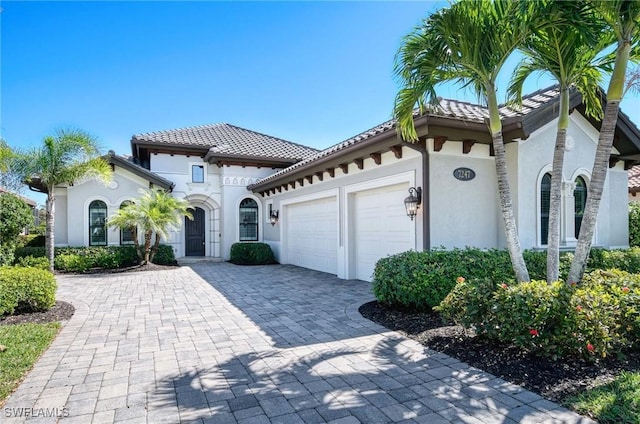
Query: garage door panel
{"x": 311, "y": 234}
{"x": 382, "y": 227}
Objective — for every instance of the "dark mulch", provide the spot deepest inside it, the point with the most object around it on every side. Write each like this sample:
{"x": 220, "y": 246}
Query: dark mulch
{"x": 61, "y": 311}
{"x": 554, "y": 380}
{"x": 133, "y": 268}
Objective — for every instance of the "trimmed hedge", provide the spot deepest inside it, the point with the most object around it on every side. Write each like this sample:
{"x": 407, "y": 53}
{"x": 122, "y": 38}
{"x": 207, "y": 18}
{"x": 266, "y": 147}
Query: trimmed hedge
{"x": 421, "y": 280}
{"x": 26, "y": 289}
{"x": 251, "y": 254}
{"x": 39, "y": 262}
{"x": 597, "y": 318}
{"x": 82, "y": 259}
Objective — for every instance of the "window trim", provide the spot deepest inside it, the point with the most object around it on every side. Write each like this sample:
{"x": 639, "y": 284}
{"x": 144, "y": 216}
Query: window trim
{"x": 236, "y": 215}
{"x": 122, "y": 241}
{"x": 257, "y": 220}
{"x": 538, "y": 237}
{"x": 575, "y": 199}
{"x": 91, "y": 228}
{"x": 204, "y": 172}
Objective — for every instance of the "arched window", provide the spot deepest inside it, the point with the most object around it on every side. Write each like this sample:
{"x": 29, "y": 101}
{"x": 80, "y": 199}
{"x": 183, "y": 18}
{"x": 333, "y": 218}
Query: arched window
{"x": 126, "y": 235}
{"x": 545, "y": 198}
{"x": 97, "y": 223}
{"x": 580, "y": 200}
{"x": 248, "y": 219}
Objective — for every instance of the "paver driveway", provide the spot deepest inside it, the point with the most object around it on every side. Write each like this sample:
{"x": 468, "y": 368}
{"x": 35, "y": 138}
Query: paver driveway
{"x": 221, "y": 343}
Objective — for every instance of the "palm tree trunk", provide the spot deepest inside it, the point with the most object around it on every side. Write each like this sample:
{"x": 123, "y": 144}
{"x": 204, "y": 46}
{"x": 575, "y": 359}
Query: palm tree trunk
{"x": 49, "y": 237}
{"x": 595, "y": 190}
{"x": 136, "y": 242}
{"x": 504, "y": 190}
{"x": 147, "y": 247}
{"x": 615, "y": 93}
{"x": 555, "y": 198}
{"x": 156, "y": 245}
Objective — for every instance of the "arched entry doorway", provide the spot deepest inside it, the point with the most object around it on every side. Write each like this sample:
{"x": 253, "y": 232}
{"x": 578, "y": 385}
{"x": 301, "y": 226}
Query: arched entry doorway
{"x": 194, "y": 231}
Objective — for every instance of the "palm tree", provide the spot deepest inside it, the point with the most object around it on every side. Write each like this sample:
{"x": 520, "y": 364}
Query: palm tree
{"x": 65, "y": 157}
{"x": 623, "y": 20}
{"x": 155, "y": 213}
{"x": 468, "y": 43}
{"x": 128, "y": 217}
{"x": 567, "y": 52}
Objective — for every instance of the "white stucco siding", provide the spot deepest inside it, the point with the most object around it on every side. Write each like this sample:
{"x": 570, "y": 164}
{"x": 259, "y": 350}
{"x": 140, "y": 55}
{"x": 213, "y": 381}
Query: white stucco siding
{"x": 463, "y": 213}
{"x": 618, "y": 208}
{"x": 535, "y": 156}
{"x": 234, "y": 181}
{"x": 60, "y": 226}
{"x": 124, "y": 186}
{"x": 382, "y": 180}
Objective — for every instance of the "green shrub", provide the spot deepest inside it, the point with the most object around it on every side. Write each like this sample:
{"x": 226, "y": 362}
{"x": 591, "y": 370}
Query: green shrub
{"x": 421, "y": 280}
{"x": 251, "y": 254}
{"x": 469, "y": 304}
{"x": 39, "y": 262}
{"x": 26, "y": 289}
{"x": 599, "y": 317}
{"x": 32, "y": 240}
{"x": 164, "y": 256}
{"x": 634, "y": 224}
{"x": 21, "y": 252}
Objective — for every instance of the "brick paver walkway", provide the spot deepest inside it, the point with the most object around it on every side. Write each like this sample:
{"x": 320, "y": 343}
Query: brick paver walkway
{"x": 219, "y": 343}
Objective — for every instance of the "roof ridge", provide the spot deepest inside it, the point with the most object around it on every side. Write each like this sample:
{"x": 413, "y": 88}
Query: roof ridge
{"x": 273, "y": 137}
{"x": 192, "y": 127}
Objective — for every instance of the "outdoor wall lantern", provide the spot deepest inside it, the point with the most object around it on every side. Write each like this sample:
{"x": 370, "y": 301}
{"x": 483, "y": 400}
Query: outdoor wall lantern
{"x": 412, "y": 203}
{"x": 273, "y": 217}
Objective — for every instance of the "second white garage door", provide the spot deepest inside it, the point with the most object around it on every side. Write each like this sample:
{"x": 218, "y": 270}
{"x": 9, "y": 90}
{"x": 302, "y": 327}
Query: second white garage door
{"x": 381, "y": 227}
{"x": 311, "y": 234}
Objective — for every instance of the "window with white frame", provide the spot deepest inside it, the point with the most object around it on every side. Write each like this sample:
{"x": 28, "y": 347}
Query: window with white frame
{"x": 197, "y": 173}
{"x": 97, "y": 223}
{"x": 545, "y": 199}
{"x": 126, "y": 234}
{"x": 580, "y": 200}
{"x": 248, "y": 220}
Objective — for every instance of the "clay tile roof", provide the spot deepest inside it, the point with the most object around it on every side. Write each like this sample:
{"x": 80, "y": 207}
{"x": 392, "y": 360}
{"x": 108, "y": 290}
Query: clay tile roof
{"x": 634, "y": 179}
{"x": 447, "y": 108}
{"x": 228, "y": 140}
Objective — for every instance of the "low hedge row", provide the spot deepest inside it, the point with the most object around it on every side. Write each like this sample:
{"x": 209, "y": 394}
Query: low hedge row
{"x": 599, "y": 317}
{"x": 82, "y": 259}
{"x": 251, "y": 254}
{"x": 421, "y": 280}
{"x": 26, "y": 290}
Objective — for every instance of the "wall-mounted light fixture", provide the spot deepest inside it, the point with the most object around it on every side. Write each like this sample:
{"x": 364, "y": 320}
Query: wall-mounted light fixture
{"x": 412, "y": 203}
{"x": 273, "y": 217}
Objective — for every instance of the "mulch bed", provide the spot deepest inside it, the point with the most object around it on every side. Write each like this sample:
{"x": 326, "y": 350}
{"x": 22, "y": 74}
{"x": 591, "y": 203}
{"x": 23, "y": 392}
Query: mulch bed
{"x": 554, "y": 380}
{"x": 61, "y": 311}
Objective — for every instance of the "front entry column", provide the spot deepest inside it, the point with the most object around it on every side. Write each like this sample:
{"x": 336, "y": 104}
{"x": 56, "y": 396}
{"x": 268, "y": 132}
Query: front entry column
{"x": 568, "y": 223}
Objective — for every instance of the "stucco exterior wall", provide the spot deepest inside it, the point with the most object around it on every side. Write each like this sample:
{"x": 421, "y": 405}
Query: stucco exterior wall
{"x": 342, "y": 186}
{"x": 463, "y": 213}
{"x": 535, "y": 156}
{"x": 60, "y": 228}
{"x": 235, "y": 180}
{"x": 124, "y": 186}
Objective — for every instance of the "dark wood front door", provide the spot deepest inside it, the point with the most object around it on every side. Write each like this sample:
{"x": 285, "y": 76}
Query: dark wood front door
{"x": 194, "y": 233}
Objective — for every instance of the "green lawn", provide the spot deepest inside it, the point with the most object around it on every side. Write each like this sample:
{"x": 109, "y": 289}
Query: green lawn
{"x": 616, "y": 402}
{"x": 25, "y": 343}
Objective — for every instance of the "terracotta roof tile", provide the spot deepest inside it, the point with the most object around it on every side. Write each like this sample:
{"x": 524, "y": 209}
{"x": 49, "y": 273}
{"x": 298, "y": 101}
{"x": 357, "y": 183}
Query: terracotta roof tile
{"x": 447, "y": 108}
{"x": 228, "y": 140}
{"x": 634, "y": 179}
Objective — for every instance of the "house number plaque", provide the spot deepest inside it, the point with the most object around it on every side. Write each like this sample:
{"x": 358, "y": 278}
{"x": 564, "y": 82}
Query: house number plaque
{"x": 464, "y": 174}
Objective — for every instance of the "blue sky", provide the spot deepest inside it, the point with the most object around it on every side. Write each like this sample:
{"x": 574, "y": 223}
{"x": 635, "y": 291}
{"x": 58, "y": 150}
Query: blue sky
{"x": 310, "y": 72}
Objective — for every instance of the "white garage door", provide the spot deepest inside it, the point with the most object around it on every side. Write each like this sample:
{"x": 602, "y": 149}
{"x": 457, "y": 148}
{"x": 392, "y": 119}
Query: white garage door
{"x": 382, "y": 227}
{"x": 311, "y": 234}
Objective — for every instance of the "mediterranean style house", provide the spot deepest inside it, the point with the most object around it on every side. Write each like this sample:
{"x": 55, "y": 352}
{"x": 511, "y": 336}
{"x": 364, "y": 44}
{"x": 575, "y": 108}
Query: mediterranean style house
{"x": 341, "y": 209}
